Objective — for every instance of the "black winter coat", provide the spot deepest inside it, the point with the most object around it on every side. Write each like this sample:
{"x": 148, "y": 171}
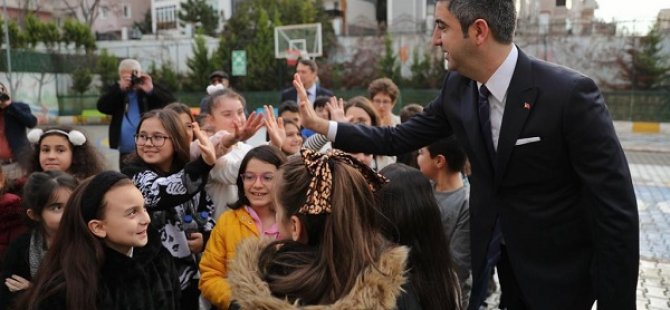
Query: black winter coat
{"x": 146, "y": 281}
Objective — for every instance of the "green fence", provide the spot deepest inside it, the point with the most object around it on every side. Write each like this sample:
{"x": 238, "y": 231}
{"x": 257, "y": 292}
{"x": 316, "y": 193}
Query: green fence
{"x": 32, "y": 61}
{"x": 625, "y": 106}
{"x": 74, "y": 105}
{"x": 639, "y": 106}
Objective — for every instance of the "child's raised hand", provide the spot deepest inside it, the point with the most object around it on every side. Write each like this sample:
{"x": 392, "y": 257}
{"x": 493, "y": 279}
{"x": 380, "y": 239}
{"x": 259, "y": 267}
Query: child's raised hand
{"x": 251, "y": 126}
{"x": 336, "y": 109}
{"x": 310, "y": 119}
{"x": 207, "y": 150}
{"x": 275, "y": 127}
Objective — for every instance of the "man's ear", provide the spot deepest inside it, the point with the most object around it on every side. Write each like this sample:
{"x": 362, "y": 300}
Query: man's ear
{"x": 480, "y": 30}
{"x": 440, "y": 161}
{"x": 32, "y": 215}
{"x": 296, "y": 229}
{"x": 97, "y": 227}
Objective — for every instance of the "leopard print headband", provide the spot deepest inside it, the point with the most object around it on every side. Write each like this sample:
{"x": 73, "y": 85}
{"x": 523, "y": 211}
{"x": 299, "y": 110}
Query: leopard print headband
{"x": 320, "y": 187}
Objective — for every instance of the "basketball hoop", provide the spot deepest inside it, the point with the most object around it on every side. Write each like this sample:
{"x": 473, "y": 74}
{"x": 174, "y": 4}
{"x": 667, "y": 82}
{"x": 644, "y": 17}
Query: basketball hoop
{"x": 292, "y": 56}
{"x": 293, "y": 42}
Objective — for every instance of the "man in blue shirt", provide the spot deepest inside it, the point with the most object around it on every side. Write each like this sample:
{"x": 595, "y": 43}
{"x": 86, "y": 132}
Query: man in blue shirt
{"x": 126, "y": 100}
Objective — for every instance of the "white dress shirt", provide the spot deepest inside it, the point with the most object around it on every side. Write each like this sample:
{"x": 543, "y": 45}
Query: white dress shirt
{"x": 311, "y": 93}
{"x": 498, "y": 84}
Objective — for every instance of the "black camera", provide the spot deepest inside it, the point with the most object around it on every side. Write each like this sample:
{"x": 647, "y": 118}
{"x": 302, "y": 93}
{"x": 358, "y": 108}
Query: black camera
{"x": 4, "y": 96}
{"x": 135, "y": 79}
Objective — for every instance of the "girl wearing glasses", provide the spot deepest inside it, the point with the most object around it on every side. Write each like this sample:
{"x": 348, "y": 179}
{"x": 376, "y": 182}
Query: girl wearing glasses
{"x": 252, "y": 215}
{"x": 173, "y": 190}
{"x": 332, "y": 254}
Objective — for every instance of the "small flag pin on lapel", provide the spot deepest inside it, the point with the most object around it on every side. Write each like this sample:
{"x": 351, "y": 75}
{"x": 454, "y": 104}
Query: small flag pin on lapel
{"x": 526, "y": 105}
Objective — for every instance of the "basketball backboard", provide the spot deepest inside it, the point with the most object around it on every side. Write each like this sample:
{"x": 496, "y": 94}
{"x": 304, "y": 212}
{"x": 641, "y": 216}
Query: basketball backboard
{"x": 305, "y": 38}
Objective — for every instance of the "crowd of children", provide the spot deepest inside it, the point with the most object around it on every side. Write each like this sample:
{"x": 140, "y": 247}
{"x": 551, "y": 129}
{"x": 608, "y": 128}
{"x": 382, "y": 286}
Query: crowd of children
{"x": 200, "y": 219}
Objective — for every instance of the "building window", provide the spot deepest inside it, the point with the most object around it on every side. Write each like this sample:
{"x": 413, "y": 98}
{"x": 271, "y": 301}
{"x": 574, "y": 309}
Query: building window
{"x": 126, "y": 11}
{"x": 166, "y": 17}
{"x": 104, "y": 12}
{"x": 560, "y": 3}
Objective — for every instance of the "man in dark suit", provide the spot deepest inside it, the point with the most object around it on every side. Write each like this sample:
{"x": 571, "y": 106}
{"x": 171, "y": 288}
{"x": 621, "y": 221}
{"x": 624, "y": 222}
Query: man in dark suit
{"x": 308, "y": 71}
{"x": 552, "y": 203}
{"x": 126, "y": 101}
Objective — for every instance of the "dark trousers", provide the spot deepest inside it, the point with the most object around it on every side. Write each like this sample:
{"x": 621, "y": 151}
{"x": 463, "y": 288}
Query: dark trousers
{"x": 190, "y": 297}
{"x": 511, "y": 297}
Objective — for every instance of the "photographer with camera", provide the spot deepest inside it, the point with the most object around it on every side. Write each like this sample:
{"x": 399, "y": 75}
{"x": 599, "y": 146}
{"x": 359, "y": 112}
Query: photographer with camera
{"x": 15, "y": 117}
{"x": 126, "y": 101}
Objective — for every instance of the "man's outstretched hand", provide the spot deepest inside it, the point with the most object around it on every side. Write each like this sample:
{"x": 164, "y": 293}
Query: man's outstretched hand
{"x": 310, "y": 119}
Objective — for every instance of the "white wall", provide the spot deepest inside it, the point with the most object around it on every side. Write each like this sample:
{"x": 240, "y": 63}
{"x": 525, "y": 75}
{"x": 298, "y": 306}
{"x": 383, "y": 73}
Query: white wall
{"x": 149, "y": 50}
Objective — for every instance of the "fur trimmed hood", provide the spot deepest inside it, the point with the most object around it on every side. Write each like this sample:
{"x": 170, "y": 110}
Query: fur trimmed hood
{"x": 373, "y": 290}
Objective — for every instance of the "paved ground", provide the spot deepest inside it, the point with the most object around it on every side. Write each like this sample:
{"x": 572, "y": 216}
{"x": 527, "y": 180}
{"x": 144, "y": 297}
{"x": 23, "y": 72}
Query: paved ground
{"x": 649, "y": 162}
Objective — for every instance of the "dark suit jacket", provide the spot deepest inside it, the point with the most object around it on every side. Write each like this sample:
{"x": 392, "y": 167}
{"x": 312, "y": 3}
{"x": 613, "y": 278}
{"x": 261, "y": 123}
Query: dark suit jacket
{"x": 114, "y": 103}
{"x": 566, "y": 203}
{"x": 292, "y": 94}
{"x": 17, "y": 118}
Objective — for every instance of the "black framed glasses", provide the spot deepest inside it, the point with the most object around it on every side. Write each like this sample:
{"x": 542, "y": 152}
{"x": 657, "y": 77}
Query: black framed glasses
{"x": 157, "y": 140}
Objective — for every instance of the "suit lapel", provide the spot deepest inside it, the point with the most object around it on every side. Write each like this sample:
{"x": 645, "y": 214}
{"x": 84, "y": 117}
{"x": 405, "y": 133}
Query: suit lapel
{"x": 521, "y": 97}
{"x": 468, "y": 105}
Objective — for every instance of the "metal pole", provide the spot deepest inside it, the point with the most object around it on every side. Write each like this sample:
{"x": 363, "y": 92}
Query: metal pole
{"x": 7, "y": 45}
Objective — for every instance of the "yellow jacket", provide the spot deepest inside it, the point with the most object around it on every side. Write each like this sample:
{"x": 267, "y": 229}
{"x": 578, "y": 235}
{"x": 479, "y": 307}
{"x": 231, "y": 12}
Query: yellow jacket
{"x": 232, "y": 227}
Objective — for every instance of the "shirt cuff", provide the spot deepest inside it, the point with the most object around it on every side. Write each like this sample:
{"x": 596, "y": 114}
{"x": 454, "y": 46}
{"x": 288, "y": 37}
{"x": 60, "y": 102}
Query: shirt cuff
{"x": 332, "y": 131}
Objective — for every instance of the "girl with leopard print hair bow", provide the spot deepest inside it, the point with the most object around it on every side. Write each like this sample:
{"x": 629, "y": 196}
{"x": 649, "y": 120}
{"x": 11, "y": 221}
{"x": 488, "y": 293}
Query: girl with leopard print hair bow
{"x": 333, "y": 254}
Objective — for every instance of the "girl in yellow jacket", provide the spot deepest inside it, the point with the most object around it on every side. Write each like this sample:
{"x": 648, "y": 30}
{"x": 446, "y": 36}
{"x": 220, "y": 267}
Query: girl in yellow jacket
{"x": 251, "y": 216}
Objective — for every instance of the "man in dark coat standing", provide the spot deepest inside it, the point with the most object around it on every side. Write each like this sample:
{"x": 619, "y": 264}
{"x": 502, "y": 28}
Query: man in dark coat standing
{"x": 15, "y": 117}
{"x": 126, "y": 101}
{"x": 309, "y": 73}
{"x": 552, "y": 203}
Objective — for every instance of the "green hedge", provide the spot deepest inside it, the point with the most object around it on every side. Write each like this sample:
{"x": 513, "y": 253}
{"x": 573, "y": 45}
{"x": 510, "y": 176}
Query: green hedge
{"x": 625, "y": 106}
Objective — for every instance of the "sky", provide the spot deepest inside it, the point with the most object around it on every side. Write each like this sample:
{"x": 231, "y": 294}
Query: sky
{"x": 627, "y": 10}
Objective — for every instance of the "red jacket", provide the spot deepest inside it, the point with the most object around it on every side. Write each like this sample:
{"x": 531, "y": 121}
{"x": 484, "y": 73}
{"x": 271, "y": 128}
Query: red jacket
{"x": 11, "y": 221}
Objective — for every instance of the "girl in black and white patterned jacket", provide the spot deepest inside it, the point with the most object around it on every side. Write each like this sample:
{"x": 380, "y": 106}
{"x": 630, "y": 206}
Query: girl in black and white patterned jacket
{"x": 173, "y": 190}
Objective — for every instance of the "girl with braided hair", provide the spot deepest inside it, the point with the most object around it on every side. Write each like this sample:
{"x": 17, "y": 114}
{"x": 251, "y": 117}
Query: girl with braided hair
{"x": 332, "y": 254}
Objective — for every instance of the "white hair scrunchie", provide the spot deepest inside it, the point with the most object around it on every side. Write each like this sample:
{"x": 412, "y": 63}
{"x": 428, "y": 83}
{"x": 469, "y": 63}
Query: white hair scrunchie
{"x": 212, "y": 88}
{"x": 76, "y": 137}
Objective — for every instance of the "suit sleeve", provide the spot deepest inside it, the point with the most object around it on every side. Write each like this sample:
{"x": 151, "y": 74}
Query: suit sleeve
{"x": 21, "y": 112}
{"x": 111, "y": 100}
{"x": 417, "y": 132}
{"x": 601, "y": 166}
{"x": 285, "y": 95}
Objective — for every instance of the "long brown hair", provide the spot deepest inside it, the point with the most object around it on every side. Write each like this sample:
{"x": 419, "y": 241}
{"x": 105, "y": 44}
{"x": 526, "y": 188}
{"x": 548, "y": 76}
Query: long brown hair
{"x": 71, "y": 266}
{"x": 412, "y": 218}
{"x": 340, "y": 244}
{"x": 366, "y": 105}
{"x": 175, "y": 129}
